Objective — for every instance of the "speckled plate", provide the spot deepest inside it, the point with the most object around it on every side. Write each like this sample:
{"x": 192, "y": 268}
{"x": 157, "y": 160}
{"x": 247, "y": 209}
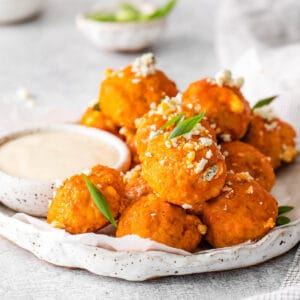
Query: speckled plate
{"x": 138, "y": 265}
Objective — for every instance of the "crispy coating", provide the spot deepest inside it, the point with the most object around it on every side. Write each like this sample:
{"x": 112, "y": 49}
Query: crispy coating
{"x": 125, "y": 96}
{"x": 160, "y": 221}
{"x": 187, "y": 170}
{"x": 243, "y": 211}
{"x": 128, "y": 135}
{"x": 135, "y": 185}
{"x": 274, "y": 138}
{"x": 148, "y": 125}
{"x": 95, "y": 118}
{"x": 225, "y": 106}
{"x": 242, "y": 157}
{"x": 74, "y": 210}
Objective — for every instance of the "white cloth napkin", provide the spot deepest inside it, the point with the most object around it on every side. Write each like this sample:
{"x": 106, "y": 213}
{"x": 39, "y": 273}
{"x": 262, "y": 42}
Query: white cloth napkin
{"x": 290, "y": 287}
{"x": 260, "y": 40}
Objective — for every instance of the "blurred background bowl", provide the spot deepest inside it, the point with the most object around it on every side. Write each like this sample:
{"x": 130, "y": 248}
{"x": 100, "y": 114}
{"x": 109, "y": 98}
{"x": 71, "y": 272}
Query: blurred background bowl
{"x": 13, "y": 11}
{"x": 121, "y": 36}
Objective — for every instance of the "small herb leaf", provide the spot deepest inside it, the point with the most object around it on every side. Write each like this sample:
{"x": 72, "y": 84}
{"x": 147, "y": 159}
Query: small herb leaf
{"x": 100, "y": 201}
{"x": 264, "y": 102}
{"x": 96, "y": 107}
{"x": 284, "y": 209}
{"x": 102, "y": 17}
{"x": 186, "y": 126}
{"x": 127, "y": 12}
{"x": 282, "y": 220}
{"x": 174, "y": 120}
{"x": 161, "y": 11}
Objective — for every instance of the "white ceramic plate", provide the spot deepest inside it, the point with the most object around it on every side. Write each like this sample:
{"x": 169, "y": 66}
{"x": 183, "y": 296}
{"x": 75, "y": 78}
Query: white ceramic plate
{"x": 58, "y": 249}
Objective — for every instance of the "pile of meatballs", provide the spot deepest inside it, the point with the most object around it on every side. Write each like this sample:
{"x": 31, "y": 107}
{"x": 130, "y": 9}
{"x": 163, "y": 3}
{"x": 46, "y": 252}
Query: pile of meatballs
{"x": 212, "y": 182}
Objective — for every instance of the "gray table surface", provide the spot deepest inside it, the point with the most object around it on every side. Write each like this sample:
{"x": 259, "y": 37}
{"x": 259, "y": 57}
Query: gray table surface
{"x": 52, "y": 59}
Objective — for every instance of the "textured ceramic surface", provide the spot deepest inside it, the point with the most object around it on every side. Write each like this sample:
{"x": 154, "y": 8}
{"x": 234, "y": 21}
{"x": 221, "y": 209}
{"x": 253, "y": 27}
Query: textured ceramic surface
{"x": 121, "y": 36}
{"x": 19, "y": 10}
{"x": 138, "y": 266}
{"x": 31, "y": 196}
{"x": 61, "y": 249}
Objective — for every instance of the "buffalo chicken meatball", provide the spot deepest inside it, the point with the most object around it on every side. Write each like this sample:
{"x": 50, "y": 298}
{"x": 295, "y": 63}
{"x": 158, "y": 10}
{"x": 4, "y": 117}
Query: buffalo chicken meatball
{"x": 225, "y": 106}
{"x": 93, "y": 117}
{"x": 162, "y": 222}
{"x": 186, "y": 170}
{"x": 242, "y": 157}
{"x": 127, "y": 94}
{"x": 272, "y": 137}
{"x": 243, "y": 211}
{"x": 73, "y": 208}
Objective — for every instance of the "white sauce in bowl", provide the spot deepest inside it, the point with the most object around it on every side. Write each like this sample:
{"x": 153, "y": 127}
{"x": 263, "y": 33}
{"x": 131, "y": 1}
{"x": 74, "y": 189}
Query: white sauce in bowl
{"x": 50, "y": 155}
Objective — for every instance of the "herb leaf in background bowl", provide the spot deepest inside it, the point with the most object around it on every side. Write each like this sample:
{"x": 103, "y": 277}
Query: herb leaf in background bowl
{"x": 161, "y": 11}
{"x": 100, "y": 201}
{"x": 128, "y": 12}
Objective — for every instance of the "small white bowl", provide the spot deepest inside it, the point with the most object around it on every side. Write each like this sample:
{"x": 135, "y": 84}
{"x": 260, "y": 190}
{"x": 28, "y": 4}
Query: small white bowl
{"x": 12, "y": 11}
{"x": 33, "y": 196}
{"x": 121, "y": 36}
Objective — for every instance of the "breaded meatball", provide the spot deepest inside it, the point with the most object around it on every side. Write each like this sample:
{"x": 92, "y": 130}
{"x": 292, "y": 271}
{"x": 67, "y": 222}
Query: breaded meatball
{"x": 242, "y": 157}
{"x": 148, "y": 125}
{"x": 127, "y": 94}
{"x": 95, "y": 118}
{"x": 186, "y": 170}
{"x": 72, "y": 207}
{"x": 162, "y": 222}
{"x": 135, "y": 185}
{"x": 272, "y": 137}
{"x": 243, "y": 211}
{"x": 226, "y": 108}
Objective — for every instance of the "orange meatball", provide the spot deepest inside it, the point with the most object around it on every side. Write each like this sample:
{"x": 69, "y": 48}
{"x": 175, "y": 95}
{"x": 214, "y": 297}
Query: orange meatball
{"x": 186, "y": 170}
{"x": 243, "y": 211}
{"x": 135, "y": 185}
{"x": 95, "y": 118}
{"x": 73, "y": 209}
{"x": 274, "y": 138}
{"x": 225, "y": 106}
{"x": 162, "y": 222}
{"x": 127, "y": 94}
{"x": 242, "y": 157}
{"x": 148, "y": 125}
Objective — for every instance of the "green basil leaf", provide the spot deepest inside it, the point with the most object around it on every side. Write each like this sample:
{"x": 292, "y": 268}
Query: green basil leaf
{"x": 282, "y": 220}
{"x": 128, "y": 13}
{"x": 177, "y": 118}
{"x": 186, "y": 126}
{"x": 100, "y": 201}
{"x": 284, "y": 209}
{"x": 161, "y": 11}
{"x": 264, "y": 102}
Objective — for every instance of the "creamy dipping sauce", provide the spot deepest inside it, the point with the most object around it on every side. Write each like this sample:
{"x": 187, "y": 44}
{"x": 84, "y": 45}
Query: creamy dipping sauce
{"x": 50, "y": 155}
